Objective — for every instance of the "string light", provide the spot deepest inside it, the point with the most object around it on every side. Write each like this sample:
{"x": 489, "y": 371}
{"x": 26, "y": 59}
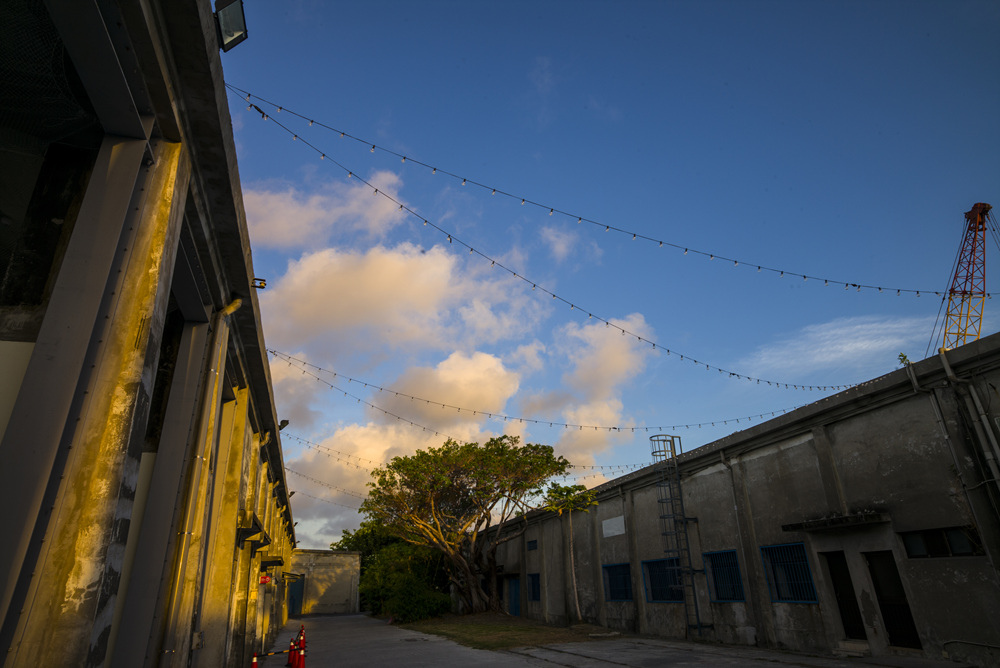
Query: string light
{"x": 318, "y": 498}
{"x": 325, "y": 484}
{"x": 306, "y": 366}
{"x": 246, "y": 95}
{"x": 452, "y": 239}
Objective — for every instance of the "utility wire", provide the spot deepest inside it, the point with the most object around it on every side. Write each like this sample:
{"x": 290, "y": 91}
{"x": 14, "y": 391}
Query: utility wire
{"x": 369, "y": 404}
{"x": 319, "y": 498}
{"x": 326, "y": 484}
{"x": 858, "y": 286}
{"x": 301, "y": 364}
{"x": 452, "y": 239}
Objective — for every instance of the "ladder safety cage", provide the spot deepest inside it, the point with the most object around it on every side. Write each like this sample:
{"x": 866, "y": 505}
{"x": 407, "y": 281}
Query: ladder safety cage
{"x": 673, "y": 526}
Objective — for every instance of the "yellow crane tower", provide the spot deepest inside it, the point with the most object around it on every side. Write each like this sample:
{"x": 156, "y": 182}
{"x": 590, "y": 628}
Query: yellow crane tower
{"x": 967, "y": 294}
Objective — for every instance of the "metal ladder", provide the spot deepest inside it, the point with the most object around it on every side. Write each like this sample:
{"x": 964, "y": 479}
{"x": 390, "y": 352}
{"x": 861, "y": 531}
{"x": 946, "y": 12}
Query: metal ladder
{"x": 673, "y": 525}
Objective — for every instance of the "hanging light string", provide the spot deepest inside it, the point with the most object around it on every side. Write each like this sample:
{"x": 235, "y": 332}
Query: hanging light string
{"x": 326, "y": 484}
{"x": 366, "y": 403}
{"x": 319, "y": 498}
{"x": 343, "y": 457}
{"x": 306, "y": 366}
{"x": 333, "y": 453}
{"x": 858, "y": 287}
{"x": 452, "y": 239}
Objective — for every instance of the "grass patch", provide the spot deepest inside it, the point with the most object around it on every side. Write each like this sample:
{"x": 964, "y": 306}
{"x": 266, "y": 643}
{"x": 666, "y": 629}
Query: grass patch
{"x": 490, "y": 630}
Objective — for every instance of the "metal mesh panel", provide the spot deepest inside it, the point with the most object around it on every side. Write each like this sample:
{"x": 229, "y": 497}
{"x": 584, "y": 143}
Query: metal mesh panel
{"x": 788, "y": 573}
{"x": 723, "y": 571}
{"x": 664, "y": 580}
{"x": 42, "y": 96}
{"x": 618, "y": 582}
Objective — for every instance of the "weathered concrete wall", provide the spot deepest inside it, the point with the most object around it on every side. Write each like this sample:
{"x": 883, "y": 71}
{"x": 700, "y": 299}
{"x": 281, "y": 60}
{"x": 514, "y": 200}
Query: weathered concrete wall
{"x": 151, "y": 525}
{"x": 837, "y": 487}
{"x": 331, "y": 581}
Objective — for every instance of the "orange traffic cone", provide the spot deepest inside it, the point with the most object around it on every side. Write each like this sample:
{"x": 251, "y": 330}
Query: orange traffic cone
{"x": 302, "y": 657}
{"x": 254, "y": 664}
{"x": 291, "y": 653}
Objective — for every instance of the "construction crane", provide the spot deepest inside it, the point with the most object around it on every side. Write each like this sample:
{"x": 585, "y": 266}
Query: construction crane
{"x": 967, "y": 294}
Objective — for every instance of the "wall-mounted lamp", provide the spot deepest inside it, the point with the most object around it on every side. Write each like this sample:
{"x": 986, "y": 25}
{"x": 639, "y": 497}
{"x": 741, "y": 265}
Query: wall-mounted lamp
{"x": 230, "y": 23}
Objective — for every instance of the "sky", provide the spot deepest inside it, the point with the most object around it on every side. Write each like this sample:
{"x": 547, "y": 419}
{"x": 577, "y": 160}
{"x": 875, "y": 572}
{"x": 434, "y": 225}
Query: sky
{"x": 832, "y": 144}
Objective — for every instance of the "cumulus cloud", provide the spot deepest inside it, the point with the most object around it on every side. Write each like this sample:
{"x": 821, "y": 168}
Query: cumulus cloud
{"x": 528, "y": 357}
{"x": 284, "y": 216}
{"x": 479, "y": 382}
{"x": 864, "y": 344}
{"x": 603, "y": 357}
{"x": 385, "y": 298}
{"x": 295, "y": 394}
{"x": 601, "y": 361}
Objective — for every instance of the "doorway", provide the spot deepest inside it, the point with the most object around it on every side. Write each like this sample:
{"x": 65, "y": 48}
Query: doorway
{"x": 892, "y": 601}
{"x": 296, "y": 592}
{"x": 843, "y": 590}
{"x": 515, "y": 596}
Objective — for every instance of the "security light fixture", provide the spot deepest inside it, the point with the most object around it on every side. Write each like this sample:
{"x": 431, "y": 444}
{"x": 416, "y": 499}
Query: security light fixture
{"x": 230, "y": 23}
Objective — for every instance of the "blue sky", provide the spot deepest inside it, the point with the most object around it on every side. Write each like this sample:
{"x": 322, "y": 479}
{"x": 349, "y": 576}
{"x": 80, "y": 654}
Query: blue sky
{"x": 836, "y": 140}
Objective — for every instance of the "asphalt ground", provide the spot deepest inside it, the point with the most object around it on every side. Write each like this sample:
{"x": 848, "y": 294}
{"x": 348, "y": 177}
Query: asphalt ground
{"x": 345, "y": 641}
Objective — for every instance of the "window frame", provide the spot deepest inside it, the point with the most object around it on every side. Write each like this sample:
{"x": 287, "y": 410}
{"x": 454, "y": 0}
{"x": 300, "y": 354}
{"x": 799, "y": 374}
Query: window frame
{"x": 791, "y": 572}
{"x": 672, "y": 566}
{"x": 731, "y": 573}
{"x": 534, "y": 587}
{"x": 927, "y": 539}
{"x": 606, "y": 573}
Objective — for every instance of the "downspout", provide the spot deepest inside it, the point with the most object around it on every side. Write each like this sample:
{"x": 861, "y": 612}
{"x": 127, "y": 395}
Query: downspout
{"x": 758, "y": 614}
{"x": 990, "y": 448}
{"x": 211, "y": 383}
{"x": 939, "y": 418}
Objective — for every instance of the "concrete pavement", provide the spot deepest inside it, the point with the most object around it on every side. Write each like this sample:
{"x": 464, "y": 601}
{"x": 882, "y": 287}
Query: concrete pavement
{"x": 345, "y": 641}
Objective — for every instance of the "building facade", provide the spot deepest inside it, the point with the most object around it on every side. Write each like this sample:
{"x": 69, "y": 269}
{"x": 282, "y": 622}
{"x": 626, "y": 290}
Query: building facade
{"x": 148, "y": 512}
{"x": 865, "y": 523}
{"x": 325, "y": 582}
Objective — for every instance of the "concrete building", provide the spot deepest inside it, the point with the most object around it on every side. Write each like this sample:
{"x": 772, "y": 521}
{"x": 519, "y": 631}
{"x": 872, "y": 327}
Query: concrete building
{"x": 864, "y": 523}
{"x": 148, "y": 520}
{"x": 325, "y": 582}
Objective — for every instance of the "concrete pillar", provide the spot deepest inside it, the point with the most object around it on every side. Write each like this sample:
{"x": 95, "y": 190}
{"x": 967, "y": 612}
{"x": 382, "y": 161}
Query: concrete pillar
{"x": 217, "y": 593}
{"x": 69, "y": 611}
{"x": 757, "y": 593}
{"x": 138, "y": 638}
{"x": 193, "y": 535}
{"x": 50, "y": 394}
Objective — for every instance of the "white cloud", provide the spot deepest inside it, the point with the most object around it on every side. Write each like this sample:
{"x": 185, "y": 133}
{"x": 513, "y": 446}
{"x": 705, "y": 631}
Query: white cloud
{"x": 381, "y": 299}
{"x": 477, "y": 383}
{"x": 529, "y": 356}
{"x": 601, "y": 361}
{"x": 604, "y": 357}
{"x": 295, "y": 393}
{"x": 559, "y": 242}
{"x": 864, "y": 344}
{"x": 286, "y": 217}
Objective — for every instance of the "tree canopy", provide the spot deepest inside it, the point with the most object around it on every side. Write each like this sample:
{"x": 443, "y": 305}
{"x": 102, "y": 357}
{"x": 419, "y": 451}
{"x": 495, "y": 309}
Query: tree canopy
{"x": 457, "y": 499}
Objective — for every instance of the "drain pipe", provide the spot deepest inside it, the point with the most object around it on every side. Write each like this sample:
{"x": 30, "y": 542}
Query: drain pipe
{"x": 990, "y": 448}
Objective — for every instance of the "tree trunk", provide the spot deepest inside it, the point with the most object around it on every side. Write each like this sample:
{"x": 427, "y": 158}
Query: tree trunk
{"x": 572, "y": 569}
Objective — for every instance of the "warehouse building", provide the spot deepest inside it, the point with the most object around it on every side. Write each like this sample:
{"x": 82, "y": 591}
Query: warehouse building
{"x": 863, "y": 524}
{"x": 148, "y": 517}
